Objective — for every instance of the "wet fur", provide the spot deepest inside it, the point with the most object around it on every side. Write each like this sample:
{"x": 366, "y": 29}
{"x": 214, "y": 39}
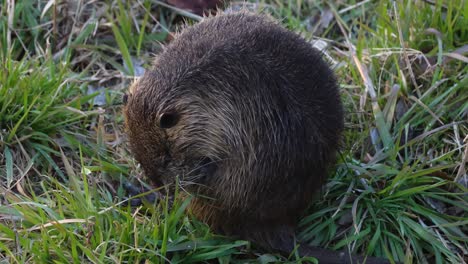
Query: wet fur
{"x": 255, "y": 100}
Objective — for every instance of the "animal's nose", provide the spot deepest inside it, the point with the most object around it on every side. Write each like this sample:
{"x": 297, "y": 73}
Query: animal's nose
{"x": 155, "y": 175}
{"x": 156, "y": 179}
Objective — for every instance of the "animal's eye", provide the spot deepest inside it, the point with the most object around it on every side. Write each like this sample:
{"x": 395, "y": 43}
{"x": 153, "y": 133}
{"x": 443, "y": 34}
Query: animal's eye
{"x": 168, "y": 120}
{"x": 125, "y": 99}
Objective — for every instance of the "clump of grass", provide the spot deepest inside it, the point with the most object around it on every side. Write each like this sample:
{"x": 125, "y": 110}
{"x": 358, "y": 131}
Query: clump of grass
{"x": 25, "y": 16}
{"x": 399, "y": 213}
{"x": 39, "y": 103}
{"x": 79, "y": 221}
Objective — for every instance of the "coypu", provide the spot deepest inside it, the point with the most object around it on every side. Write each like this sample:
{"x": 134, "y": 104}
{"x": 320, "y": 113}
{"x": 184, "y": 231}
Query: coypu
{"x": 248, "y": 117}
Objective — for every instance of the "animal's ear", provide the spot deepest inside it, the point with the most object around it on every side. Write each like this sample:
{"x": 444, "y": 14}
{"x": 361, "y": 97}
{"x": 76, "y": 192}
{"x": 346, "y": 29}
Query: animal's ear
{"x": 168, "y": 119}
{"x": 125, "y": 99}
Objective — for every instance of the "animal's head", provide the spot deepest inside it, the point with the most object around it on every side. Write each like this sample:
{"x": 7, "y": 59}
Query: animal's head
{"x": 172, "y": 131}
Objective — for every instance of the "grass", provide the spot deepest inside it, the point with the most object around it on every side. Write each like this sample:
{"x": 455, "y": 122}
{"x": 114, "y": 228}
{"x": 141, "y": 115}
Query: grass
{"x": 398, "y": 190}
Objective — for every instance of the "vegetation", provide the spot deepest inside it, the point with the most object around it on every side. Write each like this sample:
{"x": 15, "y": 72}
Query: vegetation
{"x": 398, "y": 191}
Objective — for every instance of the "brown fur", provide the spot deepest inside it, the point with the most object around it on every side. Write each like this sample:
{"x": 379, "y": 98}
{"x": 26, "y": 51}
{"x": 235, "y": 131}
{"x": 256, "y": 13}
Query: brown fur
{"x": 256, "y": 122}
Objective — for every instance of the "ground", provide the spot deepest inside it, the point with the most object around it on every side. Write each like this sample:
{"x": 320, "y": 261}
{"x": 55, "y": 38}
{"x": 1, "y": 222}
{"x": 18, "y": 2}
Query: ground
{"x": 398, "y": 190}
